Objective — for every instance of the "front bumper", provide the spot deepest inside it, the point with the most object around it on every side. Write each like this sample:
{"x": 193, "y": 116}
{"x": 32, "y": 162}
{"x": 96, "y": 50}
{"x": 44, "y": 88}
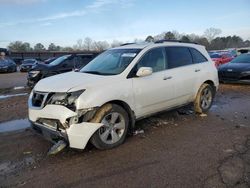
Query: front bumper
{"x": 3, "y": 69}
{"x": 234, "y": 77}
{"x": 77, "y": 135}
{"x": 25, "y": 68}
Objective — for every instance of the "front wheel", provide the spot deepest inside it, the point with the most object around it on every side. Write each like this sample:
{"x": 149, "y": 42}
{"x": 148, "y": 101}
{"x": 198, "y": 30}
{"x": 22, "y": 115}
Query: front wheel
{"x": 115, "y": 122}
{"x": 204, "y": 98}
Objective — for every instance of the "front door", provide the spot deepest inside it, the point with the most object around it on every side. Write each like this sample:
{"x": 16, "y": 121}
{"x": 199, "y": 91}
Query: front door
{"x": 152, "y": 93}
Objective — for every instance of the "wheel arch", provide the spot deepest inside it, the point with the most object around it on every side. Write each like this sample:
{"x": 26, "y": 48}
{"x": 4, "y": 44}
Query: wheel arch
{"x": 127, "y": 108}
{"x": 211, "y": 83}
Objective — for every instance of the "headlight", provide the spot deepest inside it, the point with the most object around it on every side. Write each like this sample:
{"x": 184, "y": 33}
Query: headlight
{"x": 66, "y": 99}
{"x": 4, "y": 67}
{"x": 34, "y": 73}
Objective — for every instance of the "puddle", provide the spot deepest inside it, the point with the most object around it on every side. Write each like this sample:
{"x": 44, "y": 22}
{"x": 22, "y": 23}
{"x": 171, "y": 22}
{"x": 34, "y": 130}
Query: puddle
{"x": 13, "y": 95}
{"x": 14, "y": 125}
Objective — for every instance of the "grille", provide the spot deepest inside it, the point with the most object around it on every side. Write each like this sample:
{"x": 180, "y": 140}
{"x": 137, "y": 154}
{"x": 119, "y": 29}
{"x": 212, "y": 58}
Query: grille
{"x": 230, "y": 75}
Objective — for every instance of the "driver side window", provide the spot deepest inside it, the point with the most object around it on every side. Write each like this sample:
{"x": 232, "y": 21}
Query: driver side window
{"x": 155, "y": 59}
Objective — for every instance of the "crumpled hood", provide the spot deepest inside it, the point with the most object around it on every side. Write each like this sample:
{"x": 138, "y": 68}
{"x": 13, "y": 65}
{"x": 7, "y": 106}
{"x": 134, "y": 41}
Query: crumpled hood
{"x": 71, "y": 81}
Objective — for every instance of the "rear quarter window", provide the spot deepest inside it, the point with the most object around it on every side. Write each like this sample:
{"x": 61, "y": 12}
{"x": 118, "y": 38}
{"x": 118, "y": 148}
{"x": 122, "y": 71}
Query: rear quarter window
{"x": 197, "y": 56}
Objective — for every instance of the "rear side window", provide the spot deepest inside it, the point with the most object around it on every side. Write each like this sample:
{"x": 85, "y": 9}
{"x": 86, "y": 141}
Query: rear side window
{"x": 155, "y": 59}
{"x": 197, "y": 56}
{"x": 178, "y": 56}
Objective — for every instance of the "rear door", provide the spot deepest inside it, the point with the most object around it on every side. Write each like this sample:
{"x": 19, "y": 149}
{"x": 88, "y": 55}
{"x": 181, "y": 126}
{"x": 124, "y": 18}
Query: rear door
{"x": 182, "y": 70}
{"x": 201, "y": 68}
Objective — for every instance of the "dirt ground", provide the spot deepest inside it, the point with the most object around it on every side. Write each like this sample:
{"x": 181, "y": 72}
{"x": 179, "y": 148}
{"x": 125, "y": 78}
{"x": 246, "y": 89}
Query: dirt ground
{"x": 177, "y": 149}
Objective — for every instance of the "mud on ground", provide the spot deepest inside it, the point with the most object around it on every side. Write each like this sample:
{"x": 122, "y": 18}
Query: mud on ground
{"x": 175, "y": 149}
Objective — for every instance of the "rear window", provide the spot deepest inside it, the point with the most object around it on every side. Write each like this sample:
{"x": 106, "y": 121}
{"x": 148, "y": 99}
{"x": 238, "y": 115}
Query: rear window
{"x": 197, "y": 56}
{"x": 178, "y": 56}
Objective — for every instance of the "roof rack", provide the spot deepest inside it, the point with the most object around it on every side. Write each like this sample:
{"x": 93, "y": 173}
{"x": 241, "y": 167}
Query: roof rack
{"x": 172, "y": 40}
{"x": 127, "y": 43}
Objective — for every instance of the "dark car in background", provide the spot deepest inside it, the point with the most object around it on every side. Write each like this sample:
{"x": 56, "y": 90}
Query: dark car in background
{"x": 62, "y": 64}
{"x": 27, "y": 64}
{"x": 7, "y": 65}
{"x": 237, "y": 71}
{"x": 49, "y": 60}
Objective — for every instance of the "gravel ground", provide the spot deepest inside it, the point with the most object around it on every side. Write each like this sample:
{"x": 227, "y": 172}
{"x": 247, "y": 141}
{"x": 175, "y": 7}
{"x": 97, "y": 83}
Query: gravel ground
{"x": 175, "y": 149}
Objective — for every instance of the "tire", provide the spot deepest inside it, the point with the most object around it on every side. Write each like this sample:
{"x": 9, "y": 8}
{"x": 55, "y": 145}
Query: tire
{"x": 204, "y": 98}
{"x": 115, "y": 129}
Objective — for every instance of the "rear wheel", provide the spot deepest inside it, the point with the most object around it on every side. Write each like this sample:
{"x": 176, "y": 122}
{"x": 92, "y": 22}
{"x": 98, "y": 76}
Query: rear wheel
{"x": 204, "y": 98}
{"x": 115, "y": 122}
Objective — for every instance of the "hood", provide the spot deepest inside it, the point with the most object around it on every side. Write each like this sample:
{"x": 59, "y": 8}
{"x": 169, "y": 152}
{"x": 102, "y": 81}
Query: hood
{"x": 39, "y": 67}
{"x": 236, "y": 67}
{"x": 71, "y": 81}
{"x": 4, "y": 63}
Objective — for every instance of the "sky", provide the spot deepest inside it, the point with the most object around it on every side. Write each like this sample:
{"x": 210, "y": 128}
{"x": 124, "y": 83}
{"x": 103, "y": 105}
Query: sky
{"x": 63, "y": 22}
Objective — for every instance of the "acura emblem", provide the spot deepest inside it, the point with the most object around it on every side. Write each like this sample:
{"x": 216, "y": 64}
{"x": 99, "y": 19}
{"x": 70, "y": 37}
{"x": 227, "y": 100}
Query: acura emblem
{"x": 229, "y": 70}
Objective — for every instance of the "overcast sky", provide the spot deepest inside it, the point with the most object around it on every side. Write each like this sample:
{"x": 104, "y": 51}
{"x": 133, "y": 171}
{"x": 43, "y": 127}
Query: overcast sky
{"x": 65, "y": 21}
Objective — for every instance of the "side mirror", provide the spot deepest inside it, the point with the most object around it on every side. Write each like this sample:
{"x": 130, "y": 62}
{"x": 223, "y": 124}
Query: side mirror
{"x": 144, "y": 71}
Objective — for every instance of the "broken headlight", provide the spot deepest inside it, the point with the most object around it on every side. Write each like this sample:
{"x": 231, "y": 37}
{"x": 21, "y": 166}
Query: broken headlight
{"x": 66, "y": 99}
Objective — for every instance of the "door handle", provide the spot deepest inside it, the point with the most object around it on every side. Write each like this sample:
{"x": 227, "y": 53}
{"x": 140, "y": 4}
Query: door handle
{"x": 197, "y": 70}
{"x": 167, "y": 77}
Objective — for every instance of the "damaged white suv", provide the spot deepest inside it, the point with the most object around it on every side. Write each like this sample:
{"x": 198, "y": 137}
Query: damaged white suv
{"x": 102, "y": 101}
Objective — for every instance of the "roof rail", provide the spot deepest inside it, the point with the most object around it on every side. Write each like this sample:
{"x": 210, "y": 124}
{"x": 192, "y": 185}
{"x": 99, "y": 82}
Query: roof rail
{"x": 127, "y": 43}
{"x": 173, "y": 40}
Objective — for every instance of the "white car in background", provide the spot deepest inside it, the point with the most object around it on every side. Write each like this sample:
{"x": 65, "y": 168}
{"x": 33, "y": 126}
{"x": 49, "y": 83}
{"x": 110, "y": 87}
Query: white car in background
{"x": 102, "y": 101}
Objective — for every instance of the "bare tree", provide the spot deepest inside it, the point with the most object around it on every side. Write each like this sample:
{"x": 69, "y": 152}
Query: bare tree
{"x": 116, "y": 43}
{"x": 88, "y": 44}
{"x": 100, "y": 45}
{"x": 79, "y": 44}
{"x": 211, "y": 33}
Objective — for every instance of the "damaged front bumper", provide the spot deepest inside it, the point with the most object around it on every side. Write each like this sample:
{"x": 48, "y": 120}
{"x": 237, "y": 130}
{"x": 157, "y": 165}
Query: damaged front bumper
{"x": 56, "y": 122}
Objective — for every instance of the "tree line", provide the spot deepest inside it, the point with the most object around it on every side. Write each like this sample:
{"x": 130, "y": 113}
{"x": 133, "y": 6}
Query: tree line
{"x": 210, "y": 39}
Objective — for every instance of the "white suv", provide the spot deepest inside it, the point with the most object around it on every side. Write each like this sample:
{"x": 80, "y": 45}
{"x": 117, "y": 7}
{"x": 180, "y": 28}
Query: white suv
{"x": 102, "y": 101}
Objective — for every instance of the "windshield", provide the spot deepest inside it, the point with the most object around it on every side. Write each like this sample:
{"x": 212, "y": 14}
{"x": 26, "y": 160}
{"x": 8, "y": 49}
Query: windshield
{"x": 111, "y": 62}
{"x": 215, "y": 56}
{"x": 59, "y": 60}
{"x": 244, "y": 58}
